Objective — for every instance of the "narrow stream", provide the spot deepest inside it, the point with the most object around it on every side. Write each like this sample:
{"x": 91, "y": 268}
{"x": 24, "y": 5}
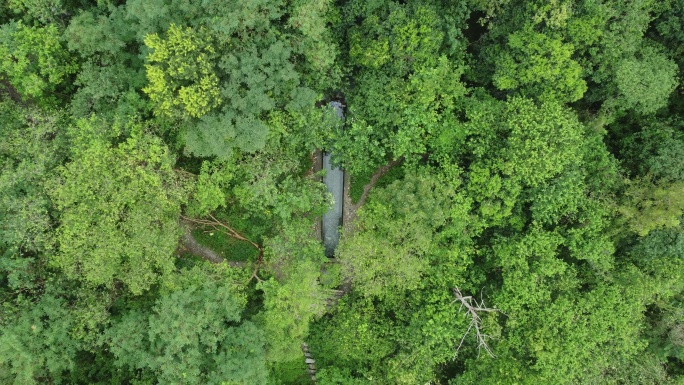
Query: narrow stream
{"x": 334, "y": 181}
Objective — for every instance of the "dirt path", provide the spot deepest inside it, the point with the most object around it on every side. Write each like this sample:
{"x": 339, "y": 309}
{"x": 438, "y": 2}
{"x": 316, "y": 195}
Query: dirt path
{"x": 190, "y": 244}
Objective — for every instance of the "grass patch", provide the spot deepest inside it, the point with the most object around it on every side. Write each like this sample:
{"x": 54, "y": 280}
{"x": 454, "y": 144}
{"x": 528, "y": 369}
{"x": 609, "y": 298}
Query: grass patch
{"x": 393, "y": 174}
{"x": 228, "y": 247}
{"x": 224, "y": 245}
{"x": 358, "y": 181}
{"x": 247, "y": 224}
{"x": 291, "y": 372}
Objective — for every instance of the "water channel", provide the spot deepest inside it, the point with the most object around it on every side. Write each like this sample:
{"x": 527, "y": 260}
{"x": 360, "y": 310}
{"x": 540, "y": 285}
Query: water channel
{"x": 334, "y": 181}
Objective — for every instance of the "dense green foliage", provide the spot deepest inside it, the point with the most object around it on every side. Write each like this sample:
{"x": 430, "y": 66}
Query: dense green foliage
{"x": 522, "y": 222}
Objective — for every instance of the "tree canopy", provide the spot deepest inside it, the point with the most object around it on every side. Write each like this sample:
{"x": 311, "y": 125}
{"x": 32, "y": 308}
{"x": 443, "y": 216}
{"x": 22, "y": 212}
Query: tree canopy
{"x": 513, "y": 205}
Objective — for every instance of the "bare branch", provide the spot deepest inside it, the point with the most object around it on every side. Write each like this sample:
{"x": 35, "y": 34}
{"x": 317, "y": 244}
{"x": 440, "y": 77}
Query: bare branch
{"x": 472, "y": 307}
{"x": 257, "y": 266}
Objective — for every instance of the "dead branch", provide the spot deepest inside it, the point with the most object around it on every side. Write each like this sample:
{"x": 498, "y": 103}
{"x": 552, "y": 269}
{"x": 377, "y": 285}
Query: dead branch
{"x": 472, "y": 307}
{"x": 257, "y": 266}
{"x": 223, "y": 228}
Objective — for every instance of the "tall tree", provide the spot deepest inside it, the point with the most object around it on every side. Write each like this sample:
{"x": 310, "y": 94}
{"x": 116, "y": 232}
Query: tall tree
{"x": 33, "y": 59}
{"x": 193, "y": 333}
{"x": 119, "y": 207}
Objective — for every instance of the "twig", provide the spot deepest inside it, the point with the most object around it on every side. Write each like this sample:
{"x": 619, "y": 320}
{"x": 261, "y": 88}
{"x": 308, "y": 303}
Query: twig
{"x": 257, "y": 266}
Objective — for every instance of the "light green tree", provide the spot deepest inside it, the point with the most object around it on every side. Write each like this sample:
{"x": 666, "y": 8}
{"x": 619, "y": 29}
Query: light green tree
{"x": 543, "y": 140}
{"x": 390, "y": 252}
{"x": 182, "y": 79}
{"x": 33, "y": 58}
{"x": 119, "y": 207}
{"x": 539, "y": 66}
{"x": 648, "y": 206}
{"x": 533, "y": 143}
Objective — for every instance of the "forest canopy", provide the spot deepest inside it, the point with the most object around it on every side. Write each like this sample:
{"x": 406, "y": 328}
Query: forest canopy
{"x": 513, "y": 208}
